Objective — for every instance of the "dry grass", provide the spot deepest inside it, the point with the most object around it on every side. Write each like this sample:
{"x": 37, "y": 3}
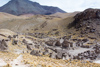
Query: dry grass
{"x": 46, "y": 61}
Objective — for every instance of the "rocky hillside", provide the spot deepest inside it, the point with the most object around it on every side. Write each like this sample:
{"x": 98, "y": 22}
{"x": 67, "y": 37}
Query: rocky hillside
{"x": 20, "y": 7}
{"x": 88, "y": 22}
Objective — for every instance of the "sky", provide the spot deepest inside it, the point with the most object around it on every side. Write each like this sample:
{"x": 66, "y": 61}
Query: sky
{"x": 66, "y": 5}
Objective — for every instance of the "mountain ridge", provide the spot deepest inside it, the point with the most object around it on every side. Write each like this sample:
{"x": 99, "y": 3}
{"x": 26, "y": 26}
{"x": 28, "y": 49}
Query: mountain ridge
{"x": 20, "y": 7}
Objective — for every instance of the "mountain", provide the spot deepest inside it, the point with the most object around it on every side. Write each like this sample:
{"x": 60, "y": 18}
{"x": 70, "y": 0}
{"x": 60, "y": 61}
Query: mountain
{"x": 20, "y": 7}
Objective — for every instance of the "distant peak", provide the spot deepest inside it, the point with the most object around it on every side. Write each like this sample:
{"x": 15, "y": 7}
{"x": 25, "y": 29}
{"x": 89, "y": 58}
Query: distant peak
{"x": 19, "y": 0}
{"x": 20, "y": 7}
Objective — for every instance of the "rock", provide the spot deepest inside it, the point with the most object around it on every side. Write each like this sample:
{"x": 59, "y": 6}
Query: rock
{"x": 37, "y": 46}
{"x": 50, "y": 43}
{"x": 31, "y": 34}
{"x": 29, "y": 47}
{"x": 85, "y": 40}
{"x": 9, "y": 37}
{"x": 29, "y": 44}
{"x": 15, "y": 42}
{"x": 59, "y": 55}
{"x": 88, "y": 27}
{"x": 58, "y": 43}
{"x": 54, "y": 29}
{"x": 64, "y": 37}
{"x": 92, "y": 37}
{"x": 43, "y": 25}
{"x": 57, "y": 33}
{"x": 92, "y": 30}
{"x": 35, "y": 52}
{"x": 66, "y": 44}
{"x": 53, "y": 55}
{"x": 85, "y": 46}
{"x": 71, "y": 44}
{"x": 79, "y": 44}
{"x": 2, "y": 35}
{"x": 82, "y": 32}
{"x": 3, "y": 45}
{"x": 3, "y": 42}
{"x": 82, "y": 36}
{"x": 7, "y": 40}
{"x": 46, "y": 52}
{"x": 24, "y": 41}
{"x": 74, "y": 39}
{"x": 15, "y": 36}
{"x": 58, "y": 50}
{"x": 79, "y": 40}
{"x": 64, "y": 56}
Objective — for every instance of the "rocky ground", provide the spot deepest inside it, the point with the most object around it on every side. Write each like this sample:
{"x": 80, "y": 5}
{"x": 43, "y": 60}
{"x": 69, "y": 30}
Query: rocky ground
{"x": 23, "y": 50}
{"x": 79, "y": 46}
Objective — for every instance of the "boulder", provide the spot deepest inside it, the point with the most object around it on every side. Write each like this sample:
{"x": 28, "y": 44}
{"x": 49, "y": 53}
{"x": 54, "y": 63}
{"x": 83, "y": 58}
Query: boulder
{"x": 58, "y": 43}
{"x": 45, "y": 53}
{"x": 85, "y": 40}
{"x": 50, "y": 43}
{"x": 24, "y": 41}
{"x": 37, "y": 46}
{"x": 35, "y": 52}
{"x": 15, "y": 42}
{"x": 71, "y": 44}
{"x": 74, "y": 39}
{"x": 66, "y": 44}
{"x": 59, "y": 55}
{"x": 92, "y": 37}
{"x": 53, "y": 55}
{"x": 29, "y": 47}
{"x": 85, "y": 46}
{"x": 3, "y": 45}
{"x": 15, "y": 36}
{"x": 9, "y": 37}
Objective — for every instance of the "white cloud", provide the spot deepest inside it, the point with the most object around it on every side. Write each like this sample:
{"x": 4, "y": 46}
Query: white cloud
{"x": 67, "y": 5}
{"x": 71, "y": 5}
{"x": 2, "y": 2}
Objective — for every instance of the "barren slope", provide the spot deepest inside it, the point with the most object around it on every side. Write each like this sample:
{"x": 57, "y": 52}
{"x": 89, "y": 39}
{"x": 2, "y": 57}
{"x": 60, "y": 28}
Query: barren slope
{"x": 42, "y": 23}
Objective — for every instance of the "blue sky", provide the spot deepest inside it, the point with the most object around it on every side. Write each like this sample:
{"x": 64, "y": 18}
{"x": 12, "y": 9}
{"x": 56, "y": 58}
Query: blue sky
{"x": 66, "y": 5}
